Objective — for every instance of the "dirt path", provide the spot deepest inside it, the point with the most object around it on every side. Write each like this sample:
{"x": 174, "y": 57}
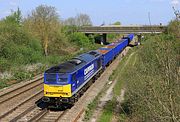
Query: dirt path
{"x": 121, "y": 98}
{"x": 104, "y": 99}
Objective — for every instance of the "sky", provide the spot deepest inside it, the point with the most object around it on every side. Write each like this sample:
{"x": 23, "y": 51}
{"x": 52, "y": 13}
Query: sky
{"x": 128, "y": 12}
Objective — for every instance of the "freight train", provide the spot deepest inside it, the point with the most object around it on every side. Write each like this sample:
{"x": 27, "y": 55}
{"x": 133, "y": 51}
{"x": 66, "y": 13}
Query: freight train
{"x": 66, "y": 82}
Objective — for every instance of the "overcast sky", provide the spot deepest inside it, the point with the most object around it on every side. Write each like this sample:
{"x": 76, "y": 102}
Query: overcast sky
{"x": 102, "y": 11}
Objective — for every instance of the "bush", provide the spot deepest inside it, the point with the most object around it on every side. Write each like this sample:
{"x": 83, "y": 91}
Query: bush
{"x": 21, "y": 75}
{"x": 174, "y": 28}
{"x": 80, "y": 39}
{"x": 4, "y": 64}
{"x": 58, "y": 45}
{"x": 17, "y": 47}
{"x": 153, "y": 83}
{"x": 53, "y": 59}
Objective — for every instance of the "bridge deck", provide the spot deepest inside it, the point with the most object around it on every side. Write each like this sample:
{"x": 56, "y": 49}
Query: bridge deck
{"x": 123, "y": 29}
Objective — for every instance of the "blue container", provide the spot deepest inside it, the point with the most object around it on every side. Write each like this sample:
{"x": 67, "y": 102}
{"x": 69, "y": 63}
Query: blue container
{"x": 130, "y": 36}
{"x": 115, "y": 47}
{"x": 107, "y": 55}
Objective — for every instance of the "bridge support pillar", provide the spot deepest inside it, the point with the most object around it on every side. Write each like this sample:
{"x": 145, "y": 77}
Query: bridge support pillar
{"x": 103, "y": 39}
{"x": 139, "y": 38}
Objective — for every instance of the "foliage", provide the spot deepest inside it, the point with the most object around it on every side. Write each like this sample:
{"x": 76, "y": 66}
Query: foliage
{"x": 4, "y": 64}
{"x": 3, "y": 84}
{"x": 69, "y": 29}
{"x": 91, "y": 107}
{"x": 153, "y": 83}
{"x": 94, "y": 104}
{"x": 40, "y": 38}
{"x": 43, "y": 23}
{"x": 81, "y": 39}
{"x": 111, "y": 37}
{"x": 174, "y": 28}
{"x": 21, "y": 75}
{"x": 71, "y": 21}
{"x": 15, "y": 17}
{"x": 58, "y": 44}
{"x": 79, "y": 20}
{"x": 83, "y": 20}
{"x": 17, "y": 46}
{"x": 107, "y": 113}
{"x": 117, "y": 23}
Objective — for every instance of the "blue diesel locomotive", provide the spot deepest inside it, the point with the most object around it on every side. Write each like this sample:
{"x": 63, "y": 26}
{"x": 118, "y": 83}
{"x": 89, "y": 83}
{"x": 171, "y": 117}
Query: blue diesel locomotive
{"x": 66, "y": 82}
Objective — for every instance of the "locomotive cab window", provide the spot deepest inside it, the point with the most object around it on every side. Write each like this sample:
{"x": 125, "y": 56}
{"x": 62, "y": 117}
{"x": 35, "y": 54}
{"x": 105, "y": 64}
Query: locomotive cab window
{"x": 63, "y": 80}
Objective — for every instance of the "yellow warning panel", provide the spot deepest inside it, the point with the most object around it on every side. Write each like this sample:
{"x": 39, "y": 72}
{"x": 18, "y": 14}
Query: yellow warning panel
{"x": 57, "y": 91}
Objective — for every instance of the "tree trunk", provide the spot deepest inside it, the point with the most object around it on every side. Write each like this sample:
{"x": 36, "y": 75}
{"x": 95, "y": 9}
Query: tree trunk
{"x": 46, "y": 45}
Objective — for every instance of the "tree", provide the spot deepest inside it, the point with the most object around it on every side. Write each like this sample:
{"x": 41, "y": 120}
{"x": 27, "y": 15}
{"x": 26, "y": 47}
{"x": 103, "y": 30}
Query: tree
{"x": 117, "y": 23}
{"x": 83, "y": 20}
{"x": 70, "y": 21}
{"x": 43, "y": 22}
{"x": 174, "y": 28}
{"x": 79, "y": 20}
{"x": 14, "y": 18}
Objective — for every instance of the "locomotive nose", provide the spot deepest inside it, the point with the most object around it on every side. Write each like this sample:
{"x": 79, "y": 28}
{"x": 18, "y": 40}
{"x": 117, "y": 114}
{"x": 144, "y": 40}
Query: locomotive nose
{"x": 46, "y": 99}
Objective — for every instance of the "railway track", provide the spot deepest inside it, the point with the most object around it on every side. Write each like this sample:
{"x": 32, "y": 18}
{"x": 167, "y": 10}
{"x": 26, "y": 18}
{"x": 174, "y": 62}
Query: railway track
{"x": 17, "y": 100}
{"x": 34, "y": 114}
{"x": 51, "y": 116}
{"x": 19, "y": 90}
{"x": 20, "y": 104}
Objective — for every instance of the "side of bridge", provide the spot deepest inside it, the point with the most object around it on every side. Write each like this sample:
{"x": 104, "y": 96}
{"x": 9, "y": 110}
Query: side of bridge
{"x": 122, "y": 29}
{"x": 138, "y": 30}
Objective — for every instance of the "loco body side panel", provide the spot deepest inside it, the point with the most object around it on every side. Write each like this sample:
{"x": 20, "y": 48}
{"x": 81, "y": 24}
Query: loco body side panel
{"x": 83, "y": 75}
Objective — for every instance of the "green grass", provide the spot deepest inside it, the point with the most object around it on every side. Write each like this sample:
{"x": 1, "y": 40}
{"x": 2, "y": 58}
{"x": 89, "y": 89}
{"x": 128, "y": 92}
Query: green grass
{"x": 91, "y": 107}
{"x": 108, "y": 111}
{"x": 3, "y": 84}
{"x": 122, "y": 70}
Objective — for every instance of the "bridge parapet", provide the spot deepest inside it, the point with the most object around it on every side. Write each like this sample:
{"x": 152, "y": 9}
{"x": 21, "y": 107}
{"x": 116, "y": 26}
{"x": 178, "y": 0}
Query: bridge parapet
{"x": 122, "y": 29}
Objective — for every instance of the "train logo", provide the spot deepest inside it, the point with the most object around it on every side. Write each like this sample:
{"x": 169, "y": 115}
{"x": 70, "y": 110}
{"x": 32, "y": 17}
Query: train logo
{"x": 88, "y": 71}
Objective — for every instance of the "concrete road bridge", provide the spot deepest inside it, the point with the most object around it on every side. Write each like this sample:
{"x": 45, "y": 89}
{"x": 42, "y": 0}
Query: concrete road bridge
{"x": 138, "y": 30}
{"x": 123, "y": 29}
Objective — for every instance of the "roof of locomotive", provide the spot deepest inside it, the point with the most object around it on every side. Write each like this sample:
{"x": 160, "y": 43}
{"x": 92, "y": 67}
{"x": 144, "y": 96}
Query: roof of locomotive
{"x": 75, "y": 63}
